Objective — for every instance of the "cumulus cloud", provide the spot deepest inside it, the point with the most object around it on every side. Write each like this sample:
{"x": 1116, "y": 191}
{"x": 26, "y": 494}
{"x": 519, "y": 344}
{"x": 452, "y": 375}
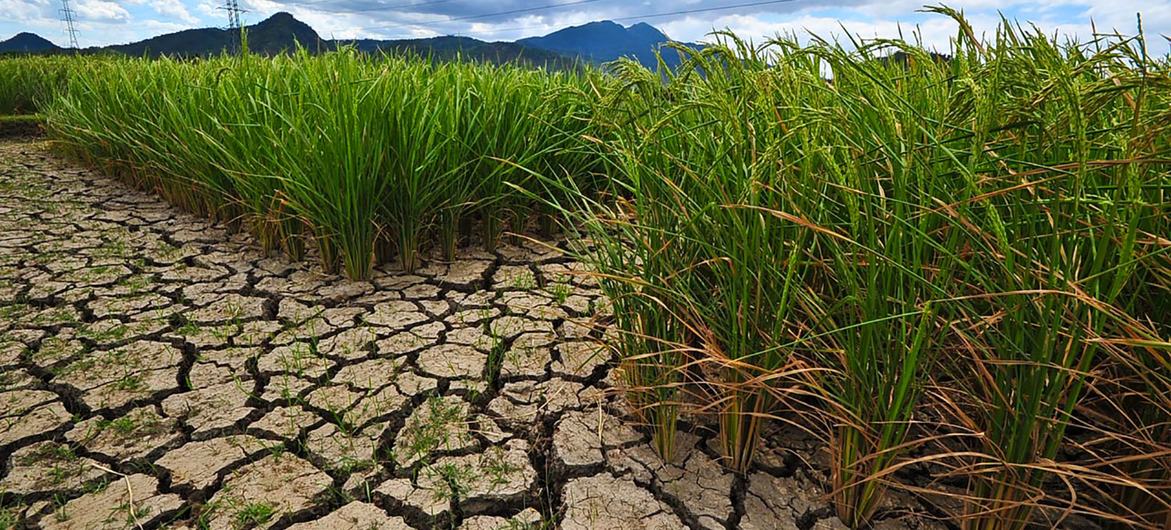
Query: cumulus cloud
{"x": 170, "y": 8}
{"x": 25, "y": 10}
{"x": 101, "y": 11}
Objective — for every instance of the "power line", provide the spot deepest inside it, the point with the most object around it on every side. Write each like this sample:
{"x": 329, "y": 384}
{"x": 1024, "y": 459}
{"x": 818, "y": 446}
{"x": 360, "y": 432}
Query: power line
{"x": 67, "y": 16}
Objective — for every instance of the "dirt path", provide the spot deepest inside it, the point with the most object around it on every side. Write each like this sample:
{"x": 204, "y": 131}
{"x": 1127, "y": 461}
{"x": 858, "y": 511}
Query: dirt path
{"x": 156, "y": 371}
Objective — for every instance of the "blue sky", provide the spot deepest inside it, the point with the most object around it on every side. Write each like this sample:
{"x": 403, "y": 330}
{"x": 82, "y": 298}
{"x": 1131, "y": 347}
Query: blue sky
{"x": 106, "y": 21}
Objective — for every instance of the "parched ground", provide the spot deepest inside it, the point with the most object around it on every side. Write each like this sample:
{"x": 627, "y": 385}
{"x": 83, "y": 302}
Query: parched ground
{"x": 156, "y": 371}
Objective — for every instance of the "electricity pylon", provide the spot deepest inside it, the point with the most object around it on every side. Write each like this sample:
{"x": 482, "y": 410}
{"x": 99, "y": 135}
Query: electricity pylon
{"x": 233, "y": 9}
{"x": 67, "y": 17}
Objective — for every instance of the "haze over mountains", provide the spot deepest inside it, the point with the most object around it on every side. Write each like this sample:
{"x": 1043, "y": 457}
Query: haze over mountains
{"x": 595, "y": 42}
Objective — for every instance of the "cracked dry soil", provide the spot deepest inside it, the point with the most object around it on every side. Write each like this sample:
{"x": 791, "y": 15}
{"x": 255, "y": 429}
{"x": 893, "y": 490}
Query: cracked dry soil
{"x": 157, "y": 371}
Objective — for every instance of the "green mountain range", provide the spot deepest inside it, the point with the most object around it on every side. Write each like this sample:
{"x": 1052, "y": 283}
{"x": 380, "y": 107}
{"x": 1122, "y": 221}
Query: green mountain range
{"x": 596, "y": 42}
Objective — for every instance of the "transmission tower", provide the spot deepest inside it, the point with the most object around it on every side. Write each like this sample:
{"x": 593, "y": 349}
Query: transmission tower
{"x": 67, "y": 17}
{"x": 233, "y": 9}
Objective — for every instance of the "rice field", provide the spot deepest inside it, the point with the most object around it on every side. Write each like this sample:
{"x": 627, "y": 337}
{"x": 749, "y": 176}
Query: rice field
{"x": 27, "y": 84}
{"x": 950, "y": 267}
{"x": 367, "y": 158}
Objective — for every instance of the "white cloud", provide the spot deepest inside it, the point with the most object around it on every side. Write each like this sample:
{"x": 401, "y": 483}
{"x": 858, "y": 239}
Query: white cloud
{"x": 25, "y": 10}
{"x": 173, "y": 8}
{"x": 894, "y": 18}
{"x": 533, "y": 25}
{"x": 101, "y": 10}
{"x": 209, "y": 8}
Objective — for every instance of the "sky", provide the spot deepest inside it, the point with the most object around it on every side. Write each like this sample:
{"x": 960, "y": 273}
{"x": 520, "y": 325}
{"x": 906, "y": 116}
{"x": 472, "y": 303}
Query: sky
{"x": 101, "y": 22}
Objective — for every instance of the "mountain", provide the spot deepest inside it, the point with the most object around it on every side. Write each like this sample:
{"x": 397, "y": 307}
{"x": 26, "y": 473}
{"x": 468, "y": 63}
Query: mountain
{"x": 450, "y": 48}
{"x": 27, "y": 43}
{"x": 278, "y": 33}
{"x": 605, "y": 41}
{"x": 596, "y": 42}
{"x": 282, "y": 32}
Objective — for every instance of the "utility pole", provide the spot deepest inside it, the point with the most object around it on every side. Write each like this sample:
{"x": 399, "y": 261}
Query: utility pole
{"x": 67, "y": 17}
{"x": 233, "y": 9}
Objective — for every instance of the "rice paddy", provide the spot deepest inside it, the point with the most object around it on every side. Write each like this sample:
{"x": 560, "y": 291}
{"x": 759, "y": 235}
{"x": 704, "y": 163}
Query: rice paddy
{"x": 367, "y": 158}
{"x": 28, "y": 84}
{"x": 953, "y": 270}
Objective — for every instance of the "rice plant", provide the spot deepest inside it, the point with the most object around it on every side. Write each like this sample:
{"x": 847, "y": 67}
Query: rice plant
{"x": 1067, "y": 183}
{"x": 29, "y": 83}
{"x": 368, "y": 158}
{"x": 904, "y": 236}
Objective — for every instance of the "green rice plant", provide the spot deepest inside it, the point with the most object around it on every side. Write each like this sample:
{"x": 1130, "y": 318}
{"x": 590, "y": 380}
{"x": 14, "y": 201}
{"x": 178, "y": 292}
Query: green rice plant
{"x": 888, "y": 259}
{"x": 366, "y": 157}
{"x": 974, "y": 224}
{"x": 424, "y": 166}
{"x": 28, "y": 83}
{"x": 524, "y": 123}
{"x": 462, "y": 126}
{"x": 252, "y": 178}
{"x": 150, "y": 138}
{"x": 335, "y": 174}
{"x": 750, "y": 233}
{"x": 1055, "y": 213}
{"x": 651, "y": 338}
{"x": 706, "y": 269}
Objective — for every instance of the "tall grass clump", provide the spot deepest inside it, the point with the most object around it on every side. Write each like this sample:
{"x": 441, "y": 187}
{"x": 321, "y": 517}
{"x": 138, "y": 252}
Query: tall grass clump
{"x": 955, "y": 261}
{"x": 368, "y": 159}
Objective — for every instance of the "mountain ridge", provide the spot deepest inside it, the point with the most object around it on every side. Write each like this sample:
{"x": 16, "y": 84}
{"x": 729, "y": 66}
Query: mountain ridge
{"x": 25, "y": 42}
{"x": 449, "y": 47}
{"x": 279, "y": 33}
{"x": 595, "y": 42}
{"x": 602, "y": 41}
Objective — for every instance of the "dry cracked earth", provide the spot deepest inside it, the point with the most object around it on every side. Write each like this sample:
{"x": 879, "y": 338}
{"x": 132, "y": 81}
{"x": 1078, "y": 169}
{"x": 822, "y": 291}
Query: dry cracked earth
{"x": 157, "y": 371}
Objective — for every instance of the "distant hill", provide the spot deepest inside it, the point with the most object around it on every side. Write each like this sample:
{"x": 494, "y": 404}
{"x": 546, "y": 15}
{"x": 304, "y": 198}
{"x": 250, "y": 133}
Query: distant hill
{"x": 606, "y": 41}
{"x": 279, "y": 33}
{"x": 596, "y": 42}
{"x": 450, "y": 48}
{"x": 28, "y": 43}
